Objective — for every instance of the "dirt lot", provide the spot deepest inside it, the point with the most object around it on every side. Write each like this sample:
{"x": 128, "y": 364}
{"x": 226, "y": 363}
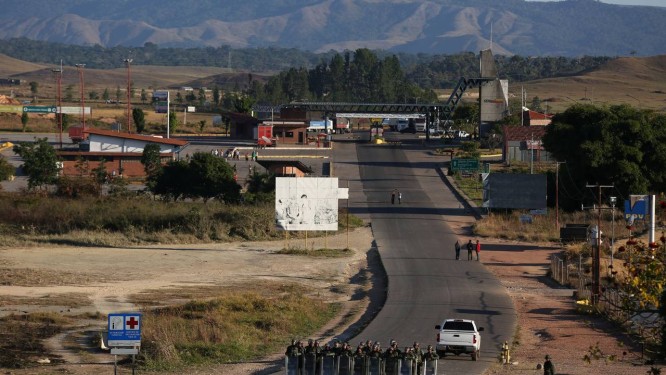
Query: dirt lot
{"x": 105, "y": 278}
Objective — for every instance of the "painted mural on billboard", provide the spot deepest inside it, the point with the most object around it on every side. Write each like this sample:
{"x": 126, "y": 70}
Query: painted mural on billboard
{"x": 307, "y": 203}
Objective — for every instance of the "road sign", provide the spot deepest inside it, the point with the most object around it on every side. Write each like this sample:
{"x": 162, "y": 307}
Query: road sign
{"x": 11, "y": 108}
{"x": 125, "y": 329}
{"x": 119, "y": 351}
{"x": 40, "y": 109}
{"x": 464, "y": 165}
{"x": 74, "y": 110}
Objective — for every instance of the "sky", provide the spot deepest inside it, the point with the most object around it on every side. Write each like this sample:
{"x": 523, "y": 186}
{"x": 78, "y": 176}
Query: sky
{"x": 659, "y": 3}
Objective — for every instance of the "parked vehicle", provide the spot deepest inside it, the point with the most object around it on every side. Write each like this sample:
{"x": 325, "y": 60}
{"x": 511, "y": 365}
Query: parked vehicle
{"x": 459, "y": 336}
{"x": 420, "y": 124}
{"x": 321, "y": 126}
{"x": 342, "y": 126}
{"x": 76, "y": 133}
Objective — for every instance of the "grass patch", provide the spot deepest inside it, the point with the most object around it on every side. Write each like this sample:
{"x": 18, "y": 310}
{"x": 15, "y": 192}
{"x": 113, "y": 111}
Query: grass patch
{"x": 471, "y": 186}
{"x": 317, "y": 253}
{"x": 21, "y": 337}
{"x": 235, "y": 326}
{"x": 70, "y": 300}
{"x": 112, "y": 221}
{"x": 33, "y": 277}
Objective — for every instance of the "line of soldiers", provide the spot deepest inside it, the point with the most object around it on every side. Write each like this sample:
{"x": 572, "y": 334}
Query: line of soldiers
{"x": 367, "y": 349}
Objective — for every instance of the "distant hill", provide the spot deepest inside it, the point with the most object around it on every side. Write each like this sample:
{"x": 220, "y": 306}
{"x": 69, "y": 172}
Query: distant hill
{"x": 559, "y": 28}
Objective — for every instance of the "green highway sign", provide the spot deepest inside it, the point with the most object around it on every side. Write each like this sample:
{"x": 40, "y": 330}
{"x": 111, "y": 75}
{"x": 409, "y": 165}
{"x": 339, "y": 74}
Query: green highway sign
{"x": 464, "y": 165}
{"x": 39, "y": 109}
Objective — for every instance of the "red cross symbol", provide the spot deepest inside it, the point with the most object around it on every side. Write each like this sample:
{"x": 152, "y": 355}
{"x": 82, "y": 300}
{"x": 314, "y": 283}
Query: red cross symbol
{"x": 131, "y": 322}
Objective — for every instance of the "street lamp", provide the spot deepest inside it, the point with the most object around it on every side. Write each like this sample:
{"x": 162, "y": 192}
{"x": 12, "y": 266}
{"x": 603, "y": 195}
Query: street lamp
{"x": 129, "y": 114}
{"x": 58, "y": 75}
{"x": 83, "y": 109}
{"x": 613, "y": 200}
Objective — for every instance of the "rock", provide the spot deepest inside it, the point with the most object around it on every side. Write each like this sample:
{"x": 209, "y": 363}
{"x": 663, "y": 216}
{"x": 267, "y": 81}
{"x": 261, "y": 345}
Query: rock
{"x": 44, "y": 361}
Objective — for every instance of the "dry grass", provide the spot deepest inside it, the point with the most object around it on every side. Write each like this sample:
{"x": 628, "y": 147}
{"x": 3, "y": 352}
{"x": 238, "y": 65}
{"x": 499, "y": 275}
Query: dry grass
{"x": 36, "y": 278}
{"x": 234, "y": 326}
{"x": 21, "y": 337}
{"x": 69, "y": 300}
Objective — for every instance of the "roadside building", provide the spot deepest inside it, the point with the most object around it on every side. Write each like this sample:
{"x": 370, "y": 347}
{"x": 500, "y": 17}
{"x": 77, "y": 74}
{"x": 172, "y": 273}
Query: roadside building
{"x": 241, "y": 126}
{"x": 121, "y": 152}
{"x": 534, "y": 118}
{"x": 286, "y": 168}
{"x": 524, "y": 142}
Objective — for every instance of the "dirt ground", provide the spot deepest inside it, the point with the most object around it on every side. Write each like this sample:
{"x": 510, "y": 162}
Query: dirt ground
{"x": 548, "y": 323}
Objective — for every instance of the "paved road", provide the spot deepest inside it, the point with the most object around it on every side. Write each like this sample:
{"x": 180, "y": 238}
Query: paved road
{"x": 426, "y": 283}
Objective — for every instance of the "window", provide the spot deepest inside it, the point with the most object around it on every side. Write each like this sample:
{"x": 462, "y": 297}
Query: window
{"x": 289, "y": 134}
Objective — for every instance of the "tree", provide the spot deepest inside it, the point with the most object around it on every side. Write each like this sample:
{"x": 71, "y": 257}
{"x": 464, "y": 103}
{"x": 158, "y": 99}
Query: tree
{"x": 152, "y": 164}
{"x": 179, "y": 98}
{"x": 173, "y": 181}
{"x": 617, "y": 144}
{"x": 39, "y": 162}
{"x": 173, "y": 122}
{"x": 212, "y": 177}
{"x": 34, "y": 87}
{"x": 118, "y": 94}
{"x": 243, "y": 103}
{"x": 144, "y": 96}
{"x": 202, "y": 125}
{"x": 106, "y": 95}
{"x": 100, "y": 175}
{"x": 69, "y": 93}
{"x": 139, "y": 119}
{"x": 93, "y": 95}
{"x": 202, "y": 97}
{"x": 216, "y": 96}
{"x": 24, "y": 120}
{"x": 7, "y": 171}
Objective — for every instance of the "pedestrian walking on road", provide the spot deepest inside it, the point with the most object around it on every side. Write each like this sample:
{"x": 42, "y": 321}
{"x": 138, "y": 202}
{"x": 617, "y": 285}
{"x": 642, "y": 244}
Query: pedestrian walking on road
{"x": 478, "y": 250}
{"x": 393, "y": 196}
{"x": 399, "y": 197}
{"x": 548, "y": 366}
{"x": 470, "y": 248}
{"x": 457, "y": 247}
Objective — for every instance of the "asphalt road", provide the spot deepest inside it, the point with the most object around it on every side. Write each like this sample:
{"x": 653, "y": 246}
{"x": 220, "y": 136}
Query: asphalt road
{"x": 425, "y": 282}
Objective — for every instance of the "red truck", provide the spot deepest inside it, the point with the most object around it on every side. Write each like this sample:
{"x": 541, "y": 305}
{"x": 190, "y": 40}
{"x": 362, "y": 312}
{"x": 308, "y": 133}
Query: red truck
{"x": 265, "y": 136}
{"x": 76, "y": 134}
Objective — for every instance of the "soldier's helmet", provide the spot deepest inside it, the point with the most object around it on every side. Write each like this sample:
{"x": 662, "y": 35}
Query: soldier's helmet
{"x": 547, "y": 356}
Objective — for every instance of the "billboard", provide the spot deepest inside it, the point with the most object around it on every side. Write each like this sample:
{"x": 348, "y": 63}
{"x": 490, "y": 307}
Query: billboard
{"x": 161, "y": 101}
{"x": 307, "y": 203}
{"x": 513, "y": 190}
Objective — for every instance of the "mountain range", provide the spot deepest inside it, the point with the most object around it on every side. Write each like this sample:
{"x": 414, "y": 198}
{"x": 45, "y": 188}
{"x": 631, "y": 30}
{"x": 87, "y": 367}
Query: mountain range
{"x": 560, "y": 28}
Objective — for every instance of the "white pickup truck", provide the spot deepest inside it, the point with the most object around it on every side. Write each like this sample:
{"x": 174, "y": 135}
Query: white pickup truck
{"x": 459, "y": 336}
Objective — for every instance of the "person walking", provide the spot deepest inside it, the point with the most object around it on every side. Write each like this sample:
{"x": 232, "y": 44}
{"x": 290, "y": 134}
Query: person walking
{"x": 548, "y": 366}
{"x": 478, "y": 250}
{"x": 399, "y": 197}
{"x": 457, "y": 247}
{"x": 470, "y": 248}
{"x": 393, "y": 197}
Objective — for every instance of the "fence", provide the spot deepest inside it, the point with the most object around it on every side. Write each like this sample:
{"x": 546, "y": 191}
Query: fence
{"x": 645, "y": 325}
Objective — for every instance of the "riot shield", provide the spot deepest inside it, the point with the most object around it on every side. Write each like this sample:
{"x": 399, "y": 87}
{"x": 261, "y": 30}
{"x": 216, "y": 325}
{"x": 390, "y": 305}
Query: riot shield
{"x": 360, "y": 365}
{"x": 345, "y": 365}
{"x": 375, "y": 366}
{"x": 291, "y": 364}
{"x": 310, "y": 364}
{"x": 430, "y": 367}
{"x": 406, "y": 367}
{"x": 392, "y": 366}
{"x": 329, "y": 365}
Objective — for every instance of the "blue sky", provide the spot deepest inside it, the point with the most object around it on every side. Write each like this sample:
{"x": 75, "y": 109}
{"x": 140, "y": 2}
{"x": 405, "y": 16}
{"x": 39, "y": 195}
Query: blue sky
{"x": 659, "y": 3}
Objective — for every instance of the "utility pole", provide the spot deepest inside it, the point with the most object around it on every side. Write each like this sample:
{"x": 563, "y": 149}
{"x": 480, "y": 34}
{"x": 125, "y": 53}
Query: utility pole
{"x": 58, "y": 75}
{"x": 129, "y": 85}
{"x": 557, "y": 193}
{"x": 83, "y": 105}
{"x": 596, "y": 259}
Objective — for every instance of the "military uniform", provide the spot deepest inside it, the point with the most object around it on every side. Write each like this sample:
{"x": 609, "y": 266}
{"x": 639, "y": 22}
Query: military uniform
{"x": 548, "y": 367}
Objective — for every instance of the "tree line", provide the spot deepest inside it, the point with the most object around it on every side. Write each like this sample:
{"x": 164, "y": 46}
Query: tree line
{"x": 425, "y": 70}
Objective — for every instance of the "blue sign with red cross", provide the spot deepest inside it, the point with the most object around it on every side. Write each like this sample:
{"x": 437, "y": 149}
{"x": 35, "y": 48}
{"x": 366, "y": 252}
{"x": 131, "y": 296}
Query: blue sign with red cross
{"x": 125, "y": 329}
